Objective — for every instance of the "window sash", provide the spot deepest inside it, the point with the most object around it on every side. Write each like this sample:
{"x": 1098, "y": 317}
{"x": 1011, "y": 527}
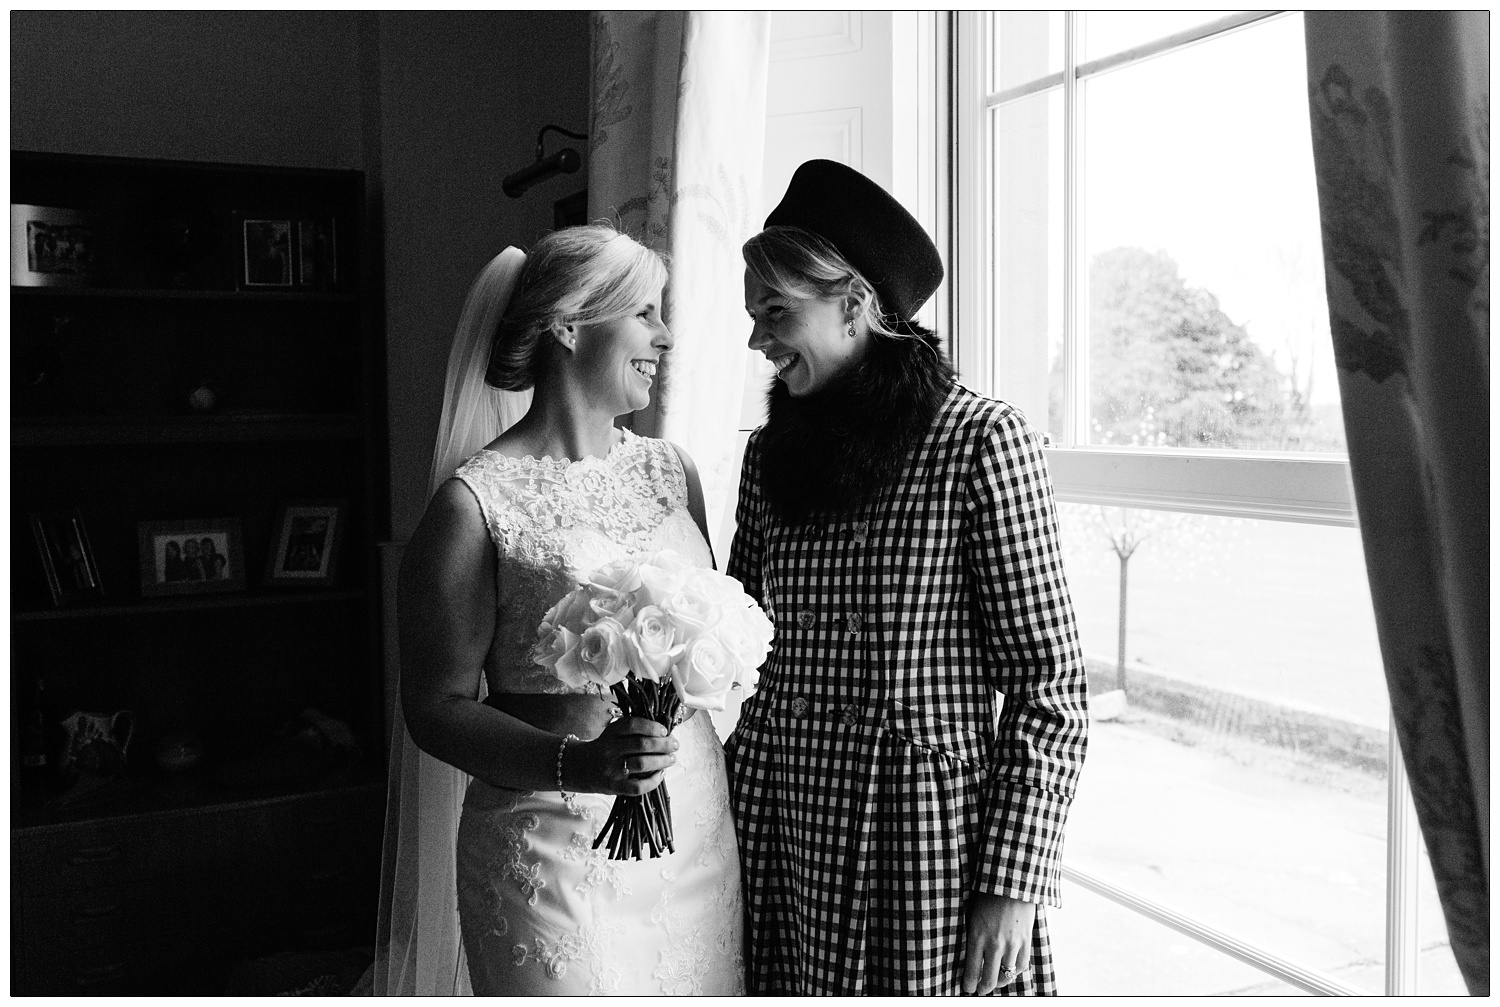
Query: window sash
{"x": 1307, "y": 488}
{"x": 1279, "y": 486}
{"x": 1135, "y": 54}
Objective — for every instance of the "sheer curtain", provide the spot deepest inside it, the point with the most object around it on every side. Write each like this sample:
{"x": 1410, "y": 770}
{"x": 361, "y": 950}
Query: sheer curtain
{"x": 677, "y": 134}
{"x": 1400, "y": 118}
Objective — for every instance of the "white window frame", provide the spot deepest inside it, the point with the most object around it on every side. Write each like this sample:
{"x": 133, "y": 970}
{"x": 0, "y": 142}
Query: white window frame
{"x": 1310, "y": 488}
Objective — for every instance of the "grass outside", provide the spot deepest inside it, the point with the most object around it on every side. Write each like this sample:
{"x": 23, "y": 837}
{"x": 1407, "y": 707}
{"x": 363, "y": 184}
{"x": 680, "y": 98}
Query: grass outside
{"x": 1269, "y": 609}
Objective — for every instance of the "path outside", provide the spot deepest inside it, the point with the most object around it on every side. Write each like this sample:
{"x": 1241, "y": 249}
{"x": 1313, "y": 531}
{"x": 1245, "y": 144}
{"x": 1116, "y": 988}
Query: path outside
{"x": 1272, "y": 847}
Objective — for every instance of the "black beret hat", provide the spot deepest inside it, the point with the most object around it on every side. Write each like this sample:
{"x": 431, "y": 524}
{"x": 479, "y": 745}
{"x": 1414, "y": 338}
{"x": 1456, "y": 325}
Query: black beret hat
{"x": 868, "y": 227}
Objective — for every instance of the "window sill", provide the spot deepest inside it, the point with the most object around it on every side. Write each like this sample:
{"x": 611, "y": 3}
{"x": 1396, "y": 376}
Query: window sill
{"x": 1311, "y": 488}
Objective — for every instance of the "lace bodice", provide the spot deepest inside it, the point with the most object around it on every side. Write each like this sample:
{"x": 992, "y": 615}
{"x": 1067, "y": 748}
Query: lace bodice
{"x": 552, "y": 522}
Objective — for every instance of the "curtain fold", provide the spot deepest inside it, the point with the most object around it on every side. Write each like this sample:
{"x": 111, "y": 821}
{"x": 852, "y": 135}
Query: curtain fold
{"x": 1400, "y": 122}
{"x": 676, "y": 142}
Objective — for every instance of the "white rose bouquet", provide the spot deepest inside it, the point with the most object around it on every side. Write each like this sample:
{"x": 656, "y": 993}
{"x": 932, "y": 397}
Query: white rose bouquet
{"x": 658, "y": 634}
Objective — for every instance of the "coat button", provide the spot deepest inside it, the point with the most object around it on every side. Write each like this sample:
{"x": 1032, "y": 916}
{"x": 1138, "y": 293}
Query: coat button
{"x": 850, "y": 716}
{"x": 855, "y": 623}
{"x": 805, "y": 619}
{"x": 861, "y": 532}
{"x": 799, "y": 707}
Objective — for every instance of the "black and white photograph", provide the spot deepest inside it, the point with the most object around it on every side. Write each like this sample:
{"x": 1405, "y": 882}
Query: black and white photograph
{"x": 758, "y": 503}
{"x": 268, "y": 253}
{"x": 52, "y": 246}
{"x": 67, "y": 558}
{"x": 317, "y": 253}
{"x": 305, "y": 543}
{"x": 190, "y": 557}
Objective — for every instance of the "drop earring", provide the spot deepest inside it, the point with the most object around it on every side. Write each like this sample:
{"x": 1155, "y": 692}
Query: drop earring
{"x": 851, "y": 328}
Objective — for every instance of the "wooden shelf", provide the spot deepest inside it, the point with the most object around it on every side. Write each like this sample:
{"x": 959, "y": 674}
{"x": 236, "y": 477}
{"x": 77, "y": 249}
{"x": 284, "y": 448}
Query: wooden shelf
{"x": 207, "y": 429}
{"x": 161, "y": 606}
{"x": 301, "y": 376}
{"x": 152, "y": 294}
{"x": 156, "y": 796}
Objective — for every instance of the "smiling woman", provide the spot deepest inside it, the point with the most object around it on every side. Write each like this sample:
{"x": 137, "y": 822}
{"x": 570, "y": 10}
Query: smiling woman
{"x": 540, "y": 504}
{"x": 577, "y": 276}
{"x": 809, "y": 340}
{"x": 900, "y": 530}
{"x": 615, "y": 361}
{"x": 812, "y": 314}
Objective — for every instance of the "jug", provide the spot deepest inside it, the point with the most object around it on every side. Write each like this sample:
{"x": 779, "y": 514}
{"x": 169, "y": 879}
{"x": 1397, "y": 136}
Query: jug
{"x": 96, "y": 743}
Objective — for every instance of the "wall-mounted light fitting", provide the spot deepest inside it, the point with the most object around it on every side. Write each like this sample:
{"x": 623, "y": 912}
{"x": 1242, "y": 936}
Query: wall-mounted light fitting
{"x": 564, "y": 162}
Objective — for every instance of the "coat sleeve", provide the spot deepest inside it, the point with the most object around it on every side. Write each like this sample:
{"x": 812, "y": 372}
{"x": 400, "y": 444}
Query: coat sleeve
{"x": 745, "y": 551}
{"x": 1033, "y": 659}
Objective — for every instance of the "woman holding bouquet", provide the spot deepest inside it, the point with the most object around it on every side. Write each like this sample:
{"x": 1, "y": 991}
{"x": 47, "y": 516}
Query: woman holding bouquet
{"x": 902, "y": 778}
{"x": 535, "y": 491}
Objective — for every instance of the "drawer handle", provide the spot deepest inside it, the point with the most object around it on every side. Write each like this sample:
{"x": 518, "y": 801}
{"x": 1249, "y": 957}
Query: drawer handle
{"x": 97, "y": 912}
{"x": 102, "y": 974}
{"x": 95, "y": 855}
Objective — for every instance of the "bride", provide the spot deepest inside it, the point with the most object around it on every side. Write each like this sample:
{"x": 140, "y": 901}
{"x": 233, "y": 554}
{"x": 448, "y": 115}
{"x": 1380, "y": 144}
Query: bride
{"x": 547, "y": 490}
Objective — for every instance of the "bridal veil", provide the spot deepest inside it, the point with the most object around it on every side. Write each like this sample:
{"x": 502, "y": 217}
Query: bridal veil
{"x": 418, "y": 948}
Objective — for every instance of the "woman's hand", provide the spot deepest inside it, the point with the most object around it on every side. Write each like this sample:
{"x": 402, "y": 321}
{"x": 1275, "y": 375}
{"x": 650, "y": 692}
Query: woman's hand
{"x": 999, "y": 945}
{"x": 628, "y": 758}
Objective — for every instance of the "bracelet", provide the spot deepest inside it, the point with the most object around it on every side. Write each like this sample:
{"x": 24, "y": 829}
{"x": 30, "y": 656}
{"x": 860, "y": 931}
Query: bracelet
{"x": 560, "y": 749}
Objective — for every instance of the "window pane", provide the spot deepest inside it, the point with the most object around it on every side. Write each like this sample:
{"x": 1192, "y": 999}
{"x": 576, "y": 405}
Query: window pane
{"x": 1111, "y": 31}
{"x": 1207, "y": 320}
{"x": 1241, "y": 776}
{"x": 1101, "y": 948}
{"x": 1024, "y": 45}
{"x": 1026, "y": 200}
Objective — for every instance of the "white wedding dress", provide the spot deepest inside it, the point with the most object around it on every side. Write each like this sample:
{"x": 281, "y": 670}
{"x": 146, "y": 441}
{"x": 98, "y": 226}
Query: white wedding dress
{"x": 541, "y": 911}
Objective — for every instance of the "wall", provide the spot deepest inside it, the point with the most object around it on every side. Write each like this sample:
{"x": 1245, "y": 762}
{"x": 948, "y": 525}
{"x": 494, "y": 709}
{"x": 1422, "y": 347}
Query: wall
{"x": 436, "y": 108}
{"x": 462, "y": 96}
{"x": 255, "y": 87}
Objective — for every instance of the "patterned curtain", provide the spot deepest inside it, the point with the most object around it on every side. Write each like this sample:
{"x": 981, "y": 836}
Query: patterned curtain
{"x": 1400, "y": 119}
{"x": 676, "y": 136}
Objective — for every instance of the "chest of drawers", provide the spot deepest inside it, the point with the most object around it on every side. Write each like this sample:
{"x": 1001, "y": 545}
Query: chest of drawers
{"x": 167, "y": 902}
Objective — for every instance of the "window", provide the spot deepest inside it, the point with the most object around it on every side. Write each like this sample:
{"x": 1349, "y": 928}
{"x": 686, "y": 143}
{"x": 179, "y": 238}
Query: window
{"x": 1138, "y": 266}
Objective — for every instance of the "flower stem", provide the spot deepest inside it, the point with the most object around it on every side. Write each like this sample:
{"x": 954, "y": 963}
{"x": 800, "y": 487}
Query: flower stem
{"x": 638, "y": 824}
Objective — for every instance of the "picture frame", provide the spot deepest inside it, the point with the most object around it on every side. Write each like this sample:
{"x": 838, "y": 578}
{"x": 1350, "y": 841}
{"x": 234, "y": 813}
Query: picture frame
{"x": 267, "y": 254}
{"x": 67, "y": 558}
{"x": 51, "y": 246}
{"x": 305, "y": 543}
{"x": 195, "y": 556}
{"x": 317, "y": 254}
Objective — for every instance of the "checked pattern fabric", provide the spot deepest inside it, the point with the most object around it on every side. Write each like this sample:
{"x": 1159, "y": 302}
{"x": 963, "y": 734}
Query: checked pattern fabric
{"x": 921, "y": 720}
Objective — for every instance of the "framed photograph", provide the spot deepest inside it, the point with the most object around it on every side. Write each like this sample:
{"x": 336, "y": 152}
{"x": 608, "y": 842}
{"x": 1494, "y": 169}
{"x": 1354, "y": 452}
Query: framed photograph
{"x": 317, "y": 253}
{"x": 305, "y": 542}
{"x": 51, "y": 247}
{"x": 198, "y": 556}
{"x": 67, "y": 559}
{"x": 268, "y": 253}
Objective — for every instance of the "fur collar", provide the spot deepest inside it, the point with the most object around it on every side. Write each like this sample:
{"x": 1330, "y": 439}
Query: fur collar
{"x": 836, "y": 449}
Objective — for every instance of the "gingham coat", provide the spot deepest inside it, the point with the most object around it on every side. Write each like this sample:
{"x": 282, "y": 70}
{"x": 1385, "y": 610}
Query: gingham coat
{"x": 877, "y": 778}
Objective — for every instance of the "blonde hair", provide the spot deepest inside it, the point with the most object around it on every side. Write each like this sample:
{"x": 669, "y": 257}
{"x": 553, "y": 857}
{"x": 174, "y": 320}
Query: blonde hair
{"x": 798, "y": 263}
{"x": 576, "y": 276}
